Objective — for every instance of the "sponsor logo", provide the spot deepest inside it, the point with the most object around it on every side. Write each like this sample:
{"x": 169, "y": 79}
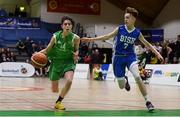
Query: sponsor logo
{"x": 53, "y": 4}
{"x": 171, "y": 74}
{"x": 165, "y": 74}
{"x": 23, "y": 70}
{"x": 10, "y": 70}
{"x": 158, "y": 73}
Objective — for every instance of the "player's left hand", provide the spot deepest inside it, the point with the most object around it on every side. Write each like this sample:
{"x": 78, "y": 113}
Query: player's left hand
{"x": 76, "y": 57}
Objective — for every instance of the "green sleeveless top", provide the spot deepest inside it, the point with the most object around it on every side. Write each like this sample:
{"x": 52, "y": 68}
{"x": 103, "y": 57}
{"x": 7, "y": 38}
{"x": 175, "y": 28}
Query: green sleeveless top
{"x": 63, "y": 48}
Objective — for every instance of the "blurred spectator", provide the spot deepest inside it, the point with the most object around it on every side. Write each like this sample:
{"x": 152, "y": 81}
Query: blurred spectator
{"x": 165, "y": 52}
{"x": 3, "y": 13}
{"x": 4, "y": 58}
{"x": 172, "y": 54}
{"x": 35, "y": 48}
{"x": 1, "y": 55}
{"x": 87, "y": 58}
{"x": 97, "y": 73}
{"x": 148, "y": 55}
{"x": 12, "y": 57}
{"x": 157, "y": 47}
{"x": 154, "y": 59}
{"x": 95, "y": 56}
{"x": 20, "y": 46}
{"x": 28, "y": 46}
{"x": 178, "y": 50}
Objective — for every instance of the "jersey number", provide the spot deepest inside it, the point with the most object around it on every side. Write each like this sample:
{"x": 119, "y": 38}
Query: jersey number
{"x": 125, "y": 45}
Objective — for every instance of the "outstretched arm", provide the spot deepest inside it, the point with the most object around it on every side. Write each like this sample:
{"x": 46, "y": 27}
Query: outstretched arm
{"x": 103, "y": 37}
{"x": 147, "y": 44}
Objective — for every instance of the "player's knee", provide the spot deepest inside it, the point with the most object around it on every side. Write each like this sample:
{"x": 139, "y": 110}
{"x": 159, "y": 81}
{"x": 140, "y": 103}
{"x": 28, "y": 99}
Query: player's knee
{"x": 55, "y": 90}
{"x": 69, "y": 81}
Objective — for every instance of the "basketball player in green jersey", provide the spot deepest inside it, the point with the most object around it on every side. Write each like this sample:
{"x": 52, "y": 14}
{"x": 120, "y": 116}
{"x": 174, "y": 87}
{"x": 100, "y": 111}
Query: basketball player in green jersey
{"x": 62, "y": 51}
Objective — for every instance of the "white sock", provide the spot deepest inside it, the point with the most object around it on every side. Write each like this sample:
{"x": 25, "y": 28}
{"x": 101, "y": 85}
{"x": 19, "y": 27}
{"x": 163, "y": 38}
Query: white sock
{"x": 146, "y": 98}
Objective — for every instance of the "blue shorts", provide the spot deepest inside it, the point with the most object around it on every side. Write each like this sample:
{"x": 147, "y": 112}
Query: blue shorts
{"x": 120, "y": 62}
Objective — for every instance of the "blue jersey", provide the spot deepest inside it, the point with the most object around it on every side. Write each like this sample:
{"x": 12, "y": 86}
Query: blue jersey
{"x": 124, "y": 40}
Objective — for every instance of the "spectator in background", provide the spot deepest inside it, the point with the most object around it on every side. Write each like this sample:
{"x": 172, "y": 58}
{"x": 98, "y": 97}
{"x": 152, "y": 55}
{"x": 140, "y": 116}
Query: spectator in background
{"x": 20, "y": 46}
{"x": 3, "y": 13}
{"x": 8, "y": 57}
{"x": 154, "y": 59}
{"x": 97, "y": 73}
{"x": 87, "y": 58}
{"x": 28, "y": 46}
{"x": 165, "y": 52}
{"x": 4, "y": 57}
{"x": 95, "y": 56}
{"x": 178, "y": 50}
{"x": 12, "y": 57}
{"x": 157, "y": 47}
{"x": 1, "y": 55}
{"x": 35, "y": 48}
{"x": 172, "y": 54}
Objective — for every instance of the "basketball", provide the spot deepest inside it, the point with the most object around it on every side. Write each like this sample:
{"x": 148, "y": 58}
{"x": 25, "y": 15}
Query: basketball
{"x": 39, "y": 60}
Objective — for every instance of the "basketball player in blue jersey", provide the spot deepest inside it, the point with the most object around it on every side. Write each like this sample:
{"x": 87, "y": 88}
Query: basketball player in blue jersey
{"x": 124, "y": 54}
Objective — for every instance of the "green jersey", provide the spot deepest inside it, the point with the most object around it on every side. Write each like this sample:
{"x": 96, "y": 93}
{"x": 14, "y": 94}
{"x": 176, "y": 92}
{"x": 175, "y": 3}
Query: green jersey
{"x": 61, "y": 55}
{"x": 63, "y": 48}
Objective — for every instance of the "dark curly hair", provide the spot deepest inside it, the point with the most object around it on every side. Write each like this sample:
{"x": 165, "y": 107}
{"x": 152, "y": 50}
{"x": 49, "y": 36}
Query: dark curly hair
{"x": 67, "y": 18}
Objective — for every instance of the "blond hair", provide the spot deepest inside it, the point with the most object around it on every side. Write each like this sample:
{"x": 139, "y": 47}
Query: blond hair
{"x": 132, "y": 11}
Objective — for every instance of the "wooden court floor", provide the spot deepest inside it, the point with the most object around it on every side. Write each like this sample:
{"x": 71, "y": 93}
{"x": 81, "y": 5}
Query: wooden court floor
{"x": 35, "y": 94}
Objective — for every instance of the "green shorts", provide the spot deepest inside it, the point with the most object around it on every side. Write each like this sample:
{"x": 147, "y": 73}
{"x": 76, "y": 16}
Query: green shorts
{"x": 58, "y": 69}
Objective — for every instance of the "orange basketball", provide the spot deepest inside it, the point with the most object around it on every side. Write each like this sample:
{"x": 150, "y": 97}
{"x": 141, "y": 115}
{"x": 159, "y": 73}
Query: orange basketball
{"x": 39, "y": 60}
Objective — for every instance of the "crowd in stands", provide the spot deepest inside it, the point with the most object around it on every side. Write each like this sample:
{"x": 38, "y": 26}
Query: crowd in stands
{"x": 30, "y": 47}
{"x": 170, "y": 51}
{"x": 6, "y": 55}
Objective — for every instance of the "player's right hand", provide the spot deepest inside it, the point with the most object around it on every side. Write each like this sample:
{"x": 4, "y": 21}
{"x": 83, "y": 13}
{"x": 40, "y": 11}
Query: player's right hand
{"x": 161, "y": 58}
{"x": 85, "y": 39}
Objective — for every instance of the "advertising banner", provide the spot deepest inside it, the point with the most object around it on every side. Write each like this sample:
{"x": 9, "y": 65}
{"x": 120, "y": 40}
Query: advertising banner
{"x": 20, "y": 23}
{"x": 81, "y": 71}
{"x": 89, "y": 7}
{"x": 7, "y": 23}
{"x": 162, "y": 74}
{"x": 28, "y": 23}
{"x": 16, "y": 69}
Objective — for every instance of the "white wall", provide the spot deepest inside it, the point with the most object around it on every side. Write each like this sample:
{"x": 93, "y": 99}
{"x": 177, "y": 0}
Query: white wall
{"x": 169, "y": 19}
{"x": 35, "y": 8}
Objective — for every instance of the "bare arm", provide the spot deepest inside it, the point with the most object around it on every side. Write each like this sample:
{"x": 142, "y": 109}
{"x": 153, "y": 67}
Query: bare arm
{"x": 76, "y": 47}
{"x": 76, "y": 43}
{"x": 103, "y": 37}
{"x": 50, "y": 45}
{"x": 147, "y": 44}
